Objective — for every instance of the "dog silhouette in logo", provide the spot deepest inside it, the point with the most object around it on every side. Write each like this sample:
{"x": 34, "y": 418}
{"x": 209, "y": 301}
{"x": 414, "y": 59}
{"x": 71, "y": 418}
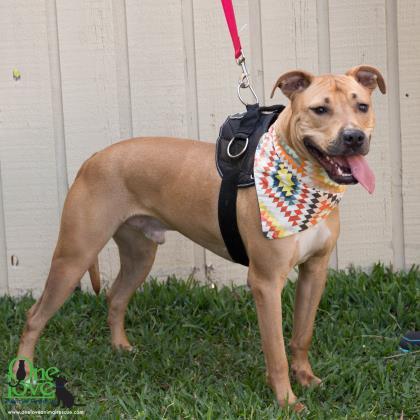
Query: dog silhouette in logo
{"x": 63, "y": 395}
{"x": 20, "y": 374}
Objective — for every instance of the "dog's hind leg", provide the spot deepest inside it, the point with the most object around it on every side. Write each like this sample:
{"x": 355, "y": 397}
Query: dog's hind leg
{"x": 137, "y": 254}
{"x": 87, "y": 224}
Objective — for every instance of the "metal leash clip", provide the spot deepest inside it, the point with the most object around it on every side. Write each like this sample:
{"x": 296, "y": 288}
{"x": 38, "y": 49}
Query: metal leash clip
{"x": 244, "y": 81}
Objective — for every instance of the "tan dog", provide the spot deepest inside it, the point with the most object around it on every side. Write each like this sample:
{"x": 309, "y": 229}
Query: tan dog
{"x": 135, "y": 190}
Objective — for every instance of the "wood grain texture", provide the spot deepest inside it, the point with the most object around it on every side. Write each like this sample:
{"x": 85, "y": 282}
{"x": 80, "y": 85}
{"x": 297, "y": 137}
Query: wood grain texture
{"x": 358, "y": 36}
{"x": 27, "y": 144}
{"x": 289, "y": 39}
{"x": 191, "y": 108}
{"x": 95, "y": 71}
{"x": 323, "y": 29}
{"x": 4, "y": 281}
{"x": 156, "y": 58}
{"x": 57, "y": 104}
{"x": 89, "y": 91}
{"x": 409, "y": 72}
{"x": 159, "y": 99}
{"x": 217, "y": 78}
{"x": 88, "y": 72}
{"x": 256, "y": 59}
{"x": 217, "y": 72}
{"x": 394, "y": 110}
{"x": 119, "y": 15}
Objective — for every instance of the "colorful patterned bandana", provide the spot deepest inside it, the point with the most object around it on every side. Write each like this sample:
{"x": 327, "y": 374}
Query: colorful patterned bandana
{"x": 293, "y": 194}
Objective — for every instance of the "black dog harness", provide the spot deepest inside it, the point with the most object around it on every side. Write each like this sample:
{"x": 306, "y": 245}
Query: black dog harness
{"x": 235, "y": 150}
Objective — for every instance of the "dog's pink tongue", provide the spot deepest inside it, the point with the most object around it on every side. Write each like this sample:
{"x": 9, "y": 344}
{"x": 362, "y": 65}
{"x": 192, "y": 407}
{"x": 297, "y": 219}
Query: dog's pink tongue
{"x": 361, "y": 171}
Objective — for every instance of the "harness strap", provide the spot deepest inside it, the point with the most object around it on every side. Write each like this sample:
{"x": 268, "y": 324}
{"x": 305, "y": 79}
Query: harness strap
{"x": 248, "y": 123}
{"x": 231, "y": 22}
{"x": 238, "y": 172}
{"x": 229, "y": 191}
{"x": 227, "y": 217}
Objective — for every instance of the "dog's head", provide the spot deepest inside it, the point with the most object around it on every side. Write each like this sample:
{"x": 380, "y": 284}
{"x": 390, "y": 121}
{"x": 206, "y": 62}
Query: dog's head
{"x": 331, "y": 120}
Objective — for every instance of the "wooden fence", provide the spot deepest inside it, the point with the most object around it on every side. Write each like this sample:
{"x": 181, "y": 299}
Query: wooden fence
{"x": 76, "y": 76}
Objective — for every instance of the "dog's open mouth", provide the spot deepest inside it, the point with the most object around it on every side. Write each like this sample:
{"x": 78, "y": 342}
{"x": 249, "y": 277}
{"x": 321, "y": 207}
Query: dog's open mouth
{"x": 344, "y": 169}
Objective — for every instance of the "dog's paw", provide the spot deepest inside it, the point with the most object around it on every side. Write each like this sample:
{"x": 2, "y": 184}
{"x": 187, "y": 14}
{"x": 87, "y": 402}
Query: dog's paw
{"x": 292, "y": 404}
{"x": 306, "y": 378}
{"x": 299, "y": 407}
{"x": 123, "y": 347}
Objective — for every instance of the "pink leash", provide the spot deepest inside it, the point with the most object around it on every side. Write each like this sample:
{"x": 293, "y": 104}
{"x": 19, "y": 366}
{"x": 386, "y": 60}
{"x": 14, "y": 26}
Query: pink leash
{"x": 244, "y": 81}
{"x": 231, "y": 22}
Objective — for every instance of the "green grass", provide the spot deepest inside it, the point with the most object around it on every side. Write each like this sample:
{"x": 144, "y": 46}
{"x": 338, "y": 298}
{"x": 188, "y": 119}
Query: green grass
{"x": 199, "y": 354}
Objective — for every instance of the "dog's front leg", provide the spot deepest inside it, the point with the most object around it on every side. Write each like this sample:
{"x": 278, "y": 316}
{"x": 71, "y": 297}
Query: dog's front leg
{"x": 266, "y": 291}
{"x": 310, "y": 286}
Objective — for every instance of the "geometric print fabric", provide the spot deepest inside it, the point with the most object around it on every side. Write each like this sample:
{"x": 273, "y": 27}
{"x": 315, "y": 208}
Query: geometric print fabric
{"x": 293, "y": 194}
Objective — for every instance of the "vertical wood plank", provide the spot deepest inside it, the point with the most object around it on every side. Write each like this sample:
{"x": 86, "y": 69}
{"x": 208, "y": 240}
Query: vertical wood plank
{"x": 156, "y": 58}
{"x": 157, "y": 81}
{"x": 323, "y": 29}
{"x": 57, "y": 104}
{"x": 357, "y": 36}
{"x": 89, "y": 91}
{"x": 119, "y": 15}
{"x": 256, "y": 49}
{"x": 289, "y": 33}
{"x": 324, "y": 66}
{"x": 393, "y": 88}
{"x": 217, "y": 72}
{"x": 88, "y": 72}
{"x": 409, "y": 72}
{"x": 27, "y": 144}
{"x": 109, "y": 260}
{"x": 191, "y": 108}
{"x": 4, "y": 281}
{"x": 217, "y": 78}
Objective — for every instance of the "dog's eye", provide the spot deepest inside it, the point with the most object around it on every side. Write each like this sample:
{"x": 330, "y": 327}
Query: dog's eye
{"x": 320, "y": 110}
{"x": 363, "y": 107}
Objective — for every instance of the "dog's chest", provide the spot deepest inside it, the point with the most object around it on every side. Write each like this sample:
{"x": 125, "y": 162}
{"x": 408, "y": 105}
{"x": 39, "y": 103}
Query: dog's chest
{"x": 311, "y": 241}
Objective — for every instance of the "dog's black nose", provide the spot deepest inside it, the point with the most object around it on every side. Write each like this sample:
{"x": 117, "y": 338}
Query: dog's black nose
{"x": 353, "y": 138}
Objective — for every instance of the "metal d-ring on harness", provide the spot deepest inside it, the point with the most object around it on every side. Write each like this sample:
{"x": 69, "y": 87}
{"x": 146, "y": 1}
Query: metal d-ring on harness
{"x": 229, "y": 153}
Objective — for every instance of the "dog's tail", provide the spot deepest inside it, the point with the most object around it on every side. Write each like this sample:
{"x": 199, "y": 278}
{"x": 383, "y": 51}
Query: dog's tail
{"x": 95, "y": 278}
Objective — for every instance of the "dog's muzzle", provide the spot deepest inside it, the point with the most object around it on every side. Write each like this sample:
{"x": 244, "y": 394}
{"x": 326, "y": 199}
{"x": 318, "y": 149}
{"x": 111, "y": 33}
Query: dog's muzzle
{"x": 353, "y": 139}
{"x": 349, "y": 142}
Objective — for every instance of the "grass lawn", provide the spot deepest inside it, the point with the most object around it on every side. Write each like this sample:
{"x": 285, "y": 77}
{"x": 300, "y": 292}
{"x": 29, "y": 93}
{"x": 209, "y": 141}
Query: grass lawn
{"x": 199, "y": 354}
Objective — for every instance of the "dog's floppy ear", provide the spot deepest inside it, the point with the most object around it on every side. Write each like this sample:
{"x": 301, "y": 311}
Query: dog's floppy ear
{"x": 369, "y": 77}
{"x": 293, "y": 82}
